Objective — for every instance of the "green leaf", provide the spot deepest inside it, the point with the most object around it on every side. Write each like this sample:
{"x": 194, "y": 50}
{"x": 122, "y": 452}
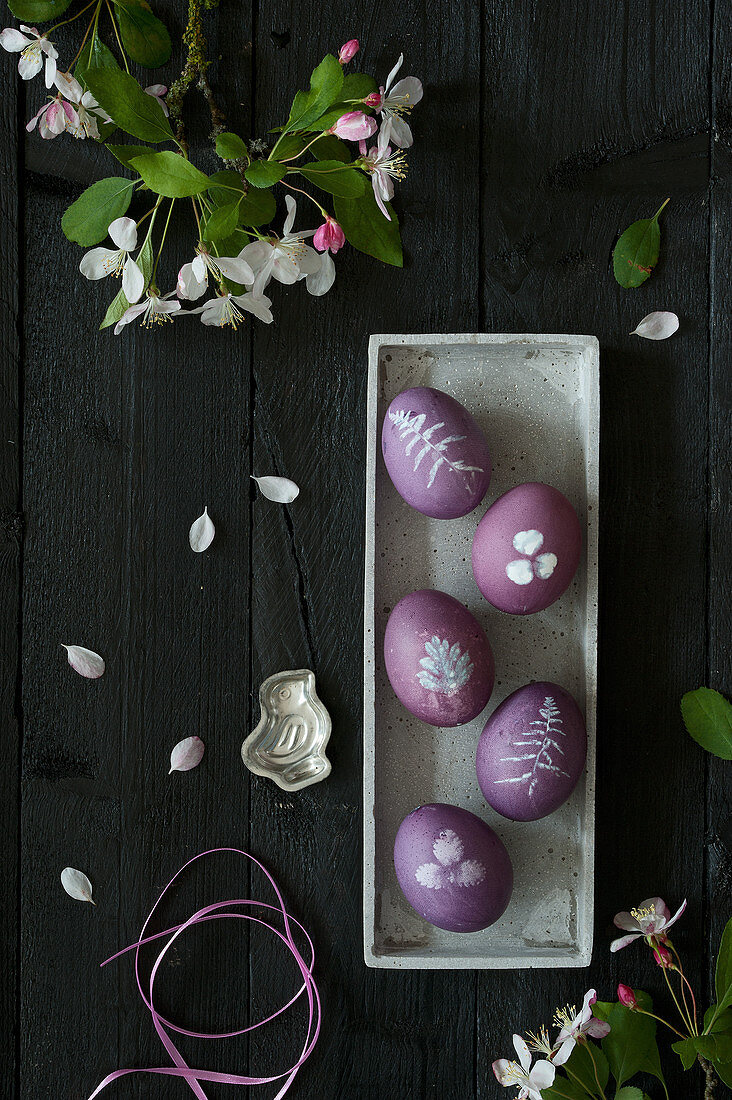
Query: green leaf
{"x": 169, "y": 174}
{"x": 564, "y": 1089}
{"x": 222, "y": 222}
{"x": 94, "y": 55}
{"x": 686, "y": 1051}
{"x": 86, "y": 221}
{"x": 723, "y": 973}
{"x": 119, "y": 303}
{"x": 629, "y": 1093}
{"x": 232, "y": 246}
{"x": 631, "y": 1046}
{"x": 222, "y": 184}
{"x": 37, "y": 11}
{"x": 357, "y": 86}
{"x": 367, "y": 229}
{"x": 125, "y": 153}
{"x": 325, "y": 86}
{"x": 708, "y": 718}
{"x": 581, "y": 1065}
{"x": 333, "y": 177}
{"x": 133, "y": 110}
{"x": 636, "y": 252}
{"x": 257, "y": 208}
{"x": 329, "y": 147}
{"x": 144, "y": 36}
{"x": 724, "y": 1072}
{"x": 264, "y": 173}
{"x": 230, "y": 146}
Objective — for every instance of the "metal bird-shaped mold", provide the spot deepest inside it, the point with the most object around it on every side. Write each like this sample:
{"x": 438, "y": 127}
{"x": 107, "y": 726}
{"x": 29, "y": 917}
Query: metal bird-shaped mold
{"x": 289, "y": 742}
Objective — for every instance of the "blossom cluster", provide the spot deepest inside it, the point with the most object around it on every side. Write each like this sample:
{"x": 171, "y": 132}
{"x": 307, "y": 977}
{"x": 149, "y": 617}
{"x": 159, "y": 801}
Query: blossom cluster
{"x": 238, "y": 280}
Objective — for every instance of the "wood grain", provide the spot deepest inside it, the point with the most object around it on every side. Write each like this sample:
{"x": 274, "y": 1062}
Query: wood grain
{"x": 545, "y": 130}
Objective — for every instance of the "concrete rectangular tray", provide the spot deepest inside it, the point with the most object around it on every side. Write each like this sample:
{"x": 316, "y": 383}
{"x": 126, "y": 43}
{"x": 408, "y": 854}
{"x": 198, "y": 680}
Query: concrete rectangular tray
{"x": 537, "y": 400}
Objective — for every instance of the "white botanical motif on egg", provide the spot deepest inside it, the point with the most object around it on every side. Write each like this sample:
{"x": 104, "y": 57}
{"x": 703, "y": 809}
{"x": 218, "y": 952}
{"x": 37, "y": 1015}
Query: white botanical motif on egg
{"x": 450, "y": 869}
{"x": 411, "y": 426}
{"x": 446, "y": 668}
{"x": 523, "y": 570}
{"x": 542, "y": 743}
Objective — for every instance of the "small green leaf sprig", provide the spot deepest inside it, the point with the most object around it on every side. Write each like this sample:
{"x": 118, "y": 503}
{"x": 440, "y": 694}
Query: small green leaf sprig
{"x": 602, "y": 1047}
{"x": 235, "y": 252}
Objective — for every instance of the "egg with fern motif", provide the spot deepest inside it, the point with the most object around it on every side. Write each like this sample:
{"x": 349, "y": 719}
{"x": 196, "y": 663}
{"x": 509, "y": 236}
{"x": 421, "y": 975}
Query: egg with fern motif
{"x": 435, "y": 453}
{"x": 532, "y": 752}
{"x": 526, "y": 548}
{"x": 438, "y": 659}
{"x": 452, "y": 868}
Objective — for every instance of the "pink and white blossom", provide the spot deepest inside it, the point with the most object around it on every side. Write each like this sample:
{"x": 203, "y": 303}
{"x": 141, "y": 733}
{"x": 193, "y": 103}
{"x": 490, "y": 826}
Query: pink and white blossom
{"x": 348, "y": 51}
{"x": 88, "y": 111}
{"x": 354, "y": 126}
{"x": 529, "y": 1080}
{"x": 286, "y": 258}
{"x": 154, "y": 309}
{"x": 650, "y": 921}
{"x": 329, "y": 236}
{"x": 383, "y": 166}
{"x": 575, "y": 1026}
{"x": 159, "y": 92}
{"x": 53, "y": 118}
{"x": 397, "y": 101}
{"x": 193, "y": 277}
{"x": 100, "y": 262}
{"x": 32, "y": 51}
{"x": 226, "y": 309}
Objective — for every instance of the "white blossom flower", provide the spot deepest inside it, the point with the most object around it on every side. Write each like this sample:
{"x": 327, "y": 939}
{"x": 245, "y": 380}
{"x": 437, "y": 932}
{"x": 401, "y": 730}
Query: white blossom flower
{"x": 650, "y": 920}
{"x": 286, "y": 258}
{"x": 100, "y": 262}
{"x": 53, "y": 118}
{"x": 319, "y": 281}
{"x": 530, "y": 1081}
{"x": 574, "y": 1026}
{"x": 383, "y": 167}
{"x": 154, "y": 309}
{"x": 159, "y": 92}
{"x": 398, "y": 101}
{"x": 31, "y": 51}
{"x": 88, "y": 111}
{"x": 193, "y": 277}
{"x": 226, "y": 309}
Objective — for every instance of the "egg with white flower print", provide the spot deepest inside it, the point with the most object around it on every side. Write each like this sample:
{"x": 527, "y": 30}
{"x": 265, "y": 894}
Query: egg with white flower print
{"x": 438, "y": 659}
{"x": 526, "y": 548}
{"x": 452, "y": 868}
{"x": 435, "y": 453}
{"x": 532, "y": 752}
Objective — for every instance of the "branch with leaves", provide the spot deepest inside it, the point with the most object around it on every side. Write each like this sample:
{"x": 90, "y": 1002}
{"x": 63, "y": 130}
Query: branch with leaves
{"x": 235, "y": 252}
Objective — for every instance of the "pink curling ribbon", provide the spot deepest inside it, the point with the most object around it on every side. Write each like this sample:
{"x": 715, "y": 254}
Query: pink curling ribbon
{"x": 223, "y": 910}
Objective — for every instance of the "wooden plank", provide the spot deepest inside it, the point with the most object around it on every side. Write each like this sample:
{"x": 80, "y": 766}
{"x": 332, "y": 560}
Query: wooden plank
{"x": 719, "y": 616}
{"x": 403, "y": 1034}
{"x": 576, "y": 108}
{"x": 11, "y": 539}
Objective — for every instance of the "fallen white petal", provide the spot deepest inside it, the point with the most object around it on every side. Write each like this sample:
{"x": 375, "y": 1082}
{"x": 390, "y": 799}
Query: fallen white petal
{"x": 76, "y": 885}
{"x": 201, "y": 533}
{"x": 657, "y": 326}
{"x": 279, "y": 489}
{"x": 85, "y": 661}
{"x": 187, "y": 754}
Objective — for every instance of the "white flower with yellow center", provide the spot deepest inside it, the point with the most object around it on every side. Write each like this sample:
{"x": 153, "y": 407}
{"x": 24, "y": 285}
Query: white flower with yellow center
{"x": 529, "y": 1079}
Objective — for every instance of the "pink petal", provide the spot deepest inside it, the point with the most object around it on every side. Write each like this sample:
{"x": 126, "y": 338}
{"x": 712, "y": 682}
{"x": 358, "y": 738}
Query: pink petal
{"x": 598, "y": 1029}
{"x": 623, "y": 941}
{"x": 85, "y": 661}
{"x": 379, "y": 200}
{"x": 187, "y": 754}
{"x": 625, "y": 921}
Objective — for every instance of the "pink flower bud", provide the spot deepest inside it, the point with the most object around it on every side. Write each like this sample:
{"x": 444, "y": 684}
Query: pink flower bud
{"x": 348, "y": 51}
{"x": 354, "y": 126}
{"x": 373, "y": 99}
{"x": 662, "y": 955}
{"x": 626, "y": 996}
{"x": 329, "y": 236}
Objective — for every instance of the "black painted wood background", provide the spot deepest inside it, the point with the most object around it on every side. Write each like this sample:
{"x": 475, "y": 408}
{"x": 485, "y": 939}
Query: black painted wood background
{"x": 546, "y": 129}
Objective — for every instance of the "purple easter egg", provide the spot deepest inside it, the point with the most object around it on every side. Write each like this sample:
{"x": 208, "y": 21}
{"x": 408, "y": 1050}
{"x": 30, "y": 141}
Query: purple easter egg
{"x": 435, "y": 453}
{"x": 452, "y": 868}
{"x": 526, "y": 548}
{"x": 532, "y": 752}
{"x": 438, "y": 659}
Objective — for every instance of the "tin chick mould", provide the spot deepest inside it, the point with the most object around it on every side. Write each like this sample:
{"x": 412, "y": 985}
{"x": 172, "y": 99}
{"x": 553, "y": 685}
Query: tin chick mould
{"x": 537, "y": 400}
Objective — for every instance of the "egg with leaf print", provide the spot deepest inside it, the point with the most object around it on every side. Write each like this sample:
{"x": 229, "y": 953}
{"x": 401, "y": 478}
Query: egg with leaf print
{"x": 532, "y": 752}
{"x": 438, "y": 659}
{"x": 452, "y": 868}
{"x": 526, "y": 548}
{"x": 435, "y": 453}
